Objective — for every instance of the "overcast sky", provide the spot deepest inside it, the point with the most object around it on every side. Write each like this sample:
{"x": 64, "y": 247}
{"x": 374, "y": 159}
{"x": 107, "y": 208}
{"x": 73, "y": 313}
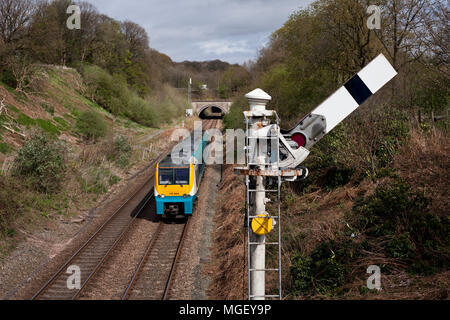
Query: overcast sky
{"x": 198, "y": 30}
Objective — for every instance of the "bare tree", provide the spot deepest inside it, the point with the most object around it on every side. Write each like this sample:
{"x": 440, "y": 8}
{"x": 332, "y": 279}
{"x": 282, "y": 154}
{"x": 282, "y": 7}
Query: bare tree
{"x": 137, "y": 38}
{"x": 89, "y": 22}
{"x": 438, "y": 36}
{"x": 24, "y": 71}
{"x": 403, "y": 28}
{"x": 7, "y": 125}
{"x": 14, "y": 18}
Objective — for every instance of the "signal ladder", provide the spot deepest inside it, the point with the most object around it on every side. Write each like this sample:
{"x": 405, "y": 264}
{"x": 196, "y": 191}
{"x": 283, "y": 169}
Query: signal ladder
{"x": 251, "y": 152}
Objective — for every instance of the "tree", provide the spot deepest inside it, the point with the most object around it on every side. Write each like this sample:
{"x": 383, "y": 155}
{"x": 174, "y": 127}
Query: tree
{"x": 15, "y": 16}
{"x": 136, "y": 37}
{"x": 403, "y": 29}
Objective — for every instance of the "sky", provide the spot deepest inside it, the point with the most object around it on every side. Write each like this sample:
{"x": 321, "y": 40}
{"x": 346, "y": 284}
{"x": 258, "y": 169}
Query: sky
{"x": 200, "y": 30}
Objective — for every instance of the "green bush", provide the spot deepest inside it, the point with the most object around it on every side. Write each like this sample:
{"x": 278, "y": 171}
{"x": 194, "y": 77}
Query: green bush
{"x": 112, "y": 93}
{"x": 400, "y": 247}
{"x": 91, "y": 125}
{"x": 397, "y": 213}
{"x": 235, "y": 118}
{"x": 123, "y": 151}
{"x": 391, "y": 209}
{"x": 42, "y": 161}
{"x": 324, "y": 271}
{"x": 98, "y": 180}
{"x": 5, "y": 148}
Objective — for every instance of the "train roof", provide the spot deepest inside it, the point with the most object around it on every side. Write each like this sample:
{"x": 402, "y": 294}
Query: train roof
{"x": 188, "y": 148}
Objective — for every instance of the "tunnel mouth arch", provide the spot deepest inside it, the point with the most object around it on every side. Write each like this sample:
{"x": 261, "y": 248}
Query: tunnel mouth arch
{"x": 211, "y": 112}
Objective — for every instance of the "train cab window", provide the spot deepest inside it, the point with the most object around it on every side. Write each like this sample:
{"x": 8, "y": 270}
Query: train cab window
{"x": 182, "y": 176}
{"x": 165, "y": 177}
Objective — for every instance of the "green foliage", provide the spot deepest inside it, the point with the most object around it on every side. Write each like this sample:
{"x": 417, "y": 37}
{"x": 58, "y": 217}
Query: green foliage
{"x": 42, "y": 161}
{"x": 7, "y": 78}
{"x": 122, "y": 151}
{"x": 10, "y": 204}
{"x": 47, "y": 126}
{"x": 63, "y": 125}
{"x": 234, "y": 78}
{"x": 391, "y": 206}
{"x": 49, "y": 108}
{"x": 336, "y": 177}
{"x": 5, "y": 148}
{"x": 324, "y": 271}
{"x": 415, "y": 235}
{"x": 25, "y": 120}
{"x": 91, "y": 125}
{"x": 112, "y": 93}
{"x": 235, "y": 118}
{"x": 97, "y": 180}
{"x": 400, "y": 247}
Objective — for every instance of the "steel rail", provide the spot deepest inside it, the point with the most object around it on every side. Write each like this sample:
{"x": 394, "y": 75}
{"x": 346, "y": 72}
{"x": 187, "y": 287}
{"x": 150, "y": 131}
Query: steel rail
{"x": 175, "y": 261}
{"x": 96, "y": 234}
{"x": 142, "y": 262}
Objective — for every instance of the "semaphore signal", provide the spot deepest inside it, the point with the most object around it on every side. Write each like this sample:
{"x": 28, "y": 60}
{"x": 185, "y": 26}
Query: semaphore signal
{"x": 278, "y": 154}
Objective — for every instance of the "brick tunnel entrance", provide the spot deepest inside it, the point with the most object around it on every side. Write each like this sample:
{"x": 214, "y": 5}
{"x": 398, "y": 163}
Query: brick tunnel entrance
{"x": 211, "y": 112}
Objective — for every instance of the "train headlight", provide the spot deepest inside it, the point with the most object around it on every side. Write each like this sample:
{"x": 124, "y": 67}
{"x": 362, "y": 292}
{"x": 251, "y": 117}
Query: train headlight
{"x": 162, "y": 196}
{"x": 185, "y": 196}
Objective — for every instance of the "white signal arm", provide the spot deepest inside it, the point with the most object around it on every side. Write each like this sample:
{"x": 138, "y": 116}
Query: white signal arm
{"x": 297, "y": 141}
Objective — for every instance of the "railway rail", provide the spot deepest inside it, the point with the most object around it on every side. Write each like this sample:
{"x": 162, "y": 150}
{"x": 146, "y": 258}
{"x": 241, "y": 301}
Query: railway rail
{"x": 157, "y": 265}
{"x": 90, "y": 257}
{"x": 154, "y": 275}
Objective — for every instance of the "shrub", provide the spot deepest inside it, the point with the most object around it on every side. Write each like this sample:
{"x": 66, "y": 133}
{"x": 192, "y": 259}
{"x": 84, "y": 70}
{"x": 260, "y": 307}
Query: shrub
{"x": 324, "y": 270}
{"x": 112, "y": 93}
{"x": 42, "y": 161}
{"x": 5, "y": 148}
{"x": 91, "y": 125}
{"x": 123, "y": 150}
{"x": 10, "y": 203}
{"x": 402, "y": 216}
{"x": 97, "y": 180}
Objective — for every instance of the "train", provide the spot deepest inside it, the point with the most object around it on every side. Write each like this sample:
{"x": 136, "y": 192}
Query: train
{"x": 177, "y": 184}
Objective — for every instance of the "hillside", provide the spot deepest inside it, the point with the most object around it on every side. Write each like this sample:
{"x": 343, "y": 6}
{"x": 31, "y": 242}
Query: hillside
{"x": 99, "y": 150}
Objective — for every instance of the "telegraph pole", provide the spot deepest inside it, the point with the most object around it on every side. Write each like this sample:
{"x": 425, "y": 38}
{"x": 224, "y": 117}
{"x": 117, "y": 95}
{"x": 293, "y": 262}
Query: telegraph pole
{"x": 189, "y": 92}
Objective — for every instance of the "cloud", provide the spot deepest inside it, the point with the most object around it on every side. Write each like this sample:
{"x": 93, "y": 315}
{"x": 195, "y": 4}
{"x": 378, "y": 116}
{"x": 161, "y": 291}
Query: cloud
{"x": 221, "y": 47}
{"x": 230, "y": 30}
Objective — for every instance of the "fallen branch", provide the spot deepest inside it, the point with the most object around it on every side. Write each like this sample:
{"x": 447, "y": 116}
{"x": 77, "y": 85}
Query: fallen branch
{"x": 14, "y": 131}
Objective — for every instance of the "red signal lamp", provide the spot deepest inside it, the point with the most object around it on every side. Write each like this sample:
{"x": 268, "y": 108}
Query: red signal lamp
{"x": 299, "y": 138}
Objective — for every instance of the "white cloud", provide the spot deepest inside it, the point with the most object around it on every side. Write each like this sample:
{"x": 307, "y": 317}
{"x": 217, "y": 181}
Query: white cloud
{"x": 221, "y": 47}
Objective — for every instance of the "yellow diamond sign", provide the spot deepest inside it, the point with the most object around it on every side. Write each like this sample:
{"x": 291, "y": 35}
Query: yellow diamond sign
{"x": 262, "y": 225}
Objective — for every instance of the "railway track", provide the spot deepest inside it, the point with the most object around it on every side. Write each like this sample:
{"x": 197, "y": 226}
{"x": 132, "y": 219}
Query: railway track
{"x": 94, "y": 252}
{"x": 154, "y": 274}
{"x": 153, "y": 277}
{"x": 158, "y": 264}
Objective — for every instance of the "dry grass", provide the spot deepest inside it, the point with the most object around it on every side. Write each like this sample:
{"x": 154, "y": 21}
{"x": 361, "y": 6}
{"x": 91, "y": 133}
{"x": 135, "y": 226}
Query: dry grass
{"x": 318, "y": 216}
{"x": 230, "y": 271}
{"x": 424, "y": 161}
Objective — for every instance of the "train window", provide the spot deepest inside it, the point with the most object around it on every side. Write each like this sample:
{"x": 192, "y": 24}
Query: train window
{"x": 182, "y": 176}
{"x": 165, "y": 177}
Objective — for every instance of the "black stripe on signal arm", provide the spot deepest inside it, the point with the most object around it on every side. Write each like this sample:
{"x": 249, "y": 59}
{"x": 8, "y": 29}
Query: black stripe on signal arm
{"x": 358, "y": 89}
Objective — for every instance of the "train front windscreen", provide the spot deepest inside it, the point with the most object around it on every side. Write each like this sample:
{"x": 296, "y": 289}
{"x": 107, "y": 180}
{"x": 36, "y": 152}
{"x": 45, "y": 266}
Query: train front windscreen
{"x": 174, "y": 176}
